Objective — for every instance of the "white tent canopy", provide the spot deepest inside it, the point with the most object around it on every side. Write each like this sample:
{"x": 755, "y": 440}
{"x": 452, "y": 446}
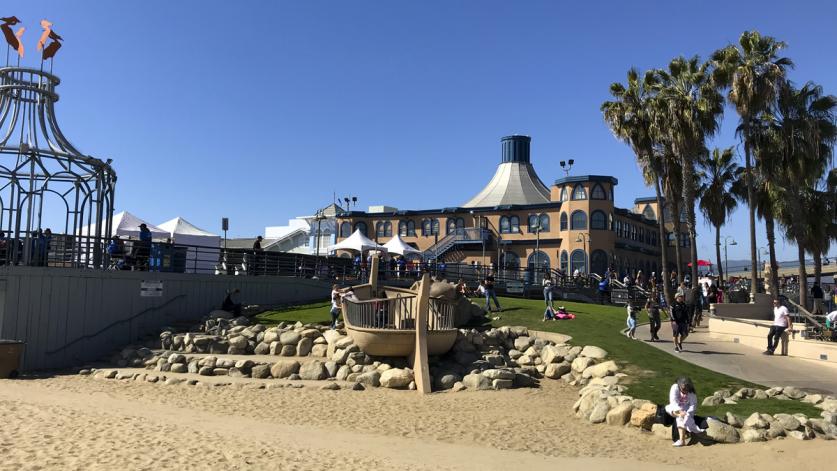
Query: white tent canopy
{"x": 398, "y": 246}
{"x": 204, "y": 251}
{"x": 358, "y": 243}
{"x": 126, "y": 224}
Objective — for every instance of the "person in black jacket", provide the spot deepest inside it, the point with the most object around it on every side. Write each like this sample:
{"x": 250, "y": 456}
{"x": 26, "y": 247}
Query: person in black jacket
{"x": 679, "y": 322}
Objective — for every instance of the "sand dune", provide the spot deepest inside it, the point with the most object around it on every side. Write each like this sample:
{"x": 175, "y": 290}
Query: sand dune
{"x": 76, "y": 422}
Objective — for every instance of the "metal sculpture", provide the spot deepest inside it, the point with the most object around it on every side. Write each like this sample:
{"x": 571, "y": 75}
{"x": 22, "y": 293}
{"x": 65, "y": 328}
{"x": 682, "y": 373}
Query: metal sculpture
{"x": 12, "y": 38}
{"x": 39, "y": 165}
{"x": 53, "y": 47}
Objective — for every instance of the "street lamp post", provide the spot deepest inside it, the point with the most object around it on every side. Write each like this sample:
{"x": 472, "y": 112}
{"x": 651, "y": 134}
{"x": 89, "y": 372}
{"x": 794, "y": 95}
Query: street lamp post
{"x": 537, "y": 247}
{"x": 585, "y": 238}
{"x": 726, "y": 261}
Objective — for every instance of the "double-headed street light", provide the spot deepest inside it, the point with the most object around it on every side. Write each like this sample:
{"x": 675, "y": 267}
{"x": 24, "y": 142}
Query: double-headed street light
{"x": 586, "y": 239}
{"x": 727, "y": 240}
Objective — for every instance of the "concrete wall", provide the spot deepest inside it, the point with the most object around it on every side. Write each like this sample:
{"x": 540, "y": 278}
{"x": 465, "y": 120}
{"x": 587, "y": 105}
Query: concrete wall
{"x": 754, "y": 334}
{"x": 69, "y": 316}
{"x": 761, "y": 309}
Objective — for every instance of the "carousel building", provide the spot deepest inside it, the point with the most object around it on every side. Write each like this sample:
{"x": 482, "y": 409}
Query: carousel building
{"x": 516, "y": 221}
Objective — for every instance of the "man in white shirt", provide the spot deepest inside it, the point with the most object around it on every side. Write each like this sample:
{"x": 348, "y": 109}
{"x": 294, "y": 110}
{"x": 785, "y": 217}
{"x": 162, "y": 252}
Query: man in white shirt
{"x": 830, "y": 319}
{"x": 781, "y": 322}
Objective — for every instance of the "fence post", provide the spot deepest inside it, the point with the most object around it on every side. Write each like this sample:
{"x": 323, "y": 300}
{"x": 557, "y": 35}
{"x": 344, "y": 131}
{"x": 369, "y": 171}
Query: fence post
{"x": 421, "y": 371}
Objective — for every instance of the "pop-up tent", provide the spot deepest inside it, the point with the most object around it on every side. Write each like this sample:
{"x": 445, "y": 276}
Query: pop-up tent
{"x": 357, "y": 242}
{"x": 398, "y": 246}
{"x": 125, "y": 224}
{"x": 204, "y": 247}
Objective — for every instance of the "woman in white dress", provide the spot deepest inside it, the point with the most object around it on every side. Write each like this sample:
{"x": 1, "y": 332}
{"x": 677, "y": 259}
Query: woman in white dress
{"x": 682, "y": 403}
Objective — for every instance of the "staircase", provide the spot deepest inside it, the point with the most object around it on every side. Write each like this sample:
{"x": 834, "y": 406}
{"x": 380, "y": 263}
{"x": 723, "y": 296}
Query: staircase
{"x": 450, "y": 241}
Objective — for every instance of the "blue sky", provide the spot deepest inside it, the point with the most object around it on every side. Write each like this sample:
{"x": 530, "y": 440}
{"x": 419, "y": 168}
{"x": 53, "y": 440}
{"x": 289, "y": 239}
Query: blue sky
{"x": 259, "y": 110}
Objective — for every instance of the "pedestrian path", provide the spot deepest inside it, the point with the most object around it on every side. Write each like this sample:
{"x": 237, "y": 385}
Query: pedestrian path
{"x": 748, "y": 363}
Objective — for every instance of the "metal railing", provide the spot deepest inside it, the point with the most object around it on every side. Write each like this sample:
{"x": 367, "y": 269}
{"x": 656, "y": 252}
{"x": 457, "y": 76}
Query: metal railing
{"x": 131, "y": 254}
{"x": 397, "y": 313}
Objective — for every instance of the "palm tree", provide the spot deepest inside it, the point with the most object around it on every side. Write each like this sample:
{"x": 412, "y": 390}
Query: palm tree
{"x": 763, "y": 200}
{"x": 754, "y": 74}
{"x": 628, "y": 117}
{"x": 672, "y": 179}
{"x": 716, "y": 201}
{"x": 805, "y": 125}
{"x": 688, "y": 110}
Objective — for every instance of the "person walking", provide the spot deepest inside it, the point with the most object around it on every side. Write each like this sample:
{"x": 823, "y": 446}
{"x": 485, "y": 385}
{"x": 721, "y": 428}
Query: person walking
{"x": 336, "y": 305}
{"x": 817, "y": 294}
{"x": 654, "y": 322}
{"x": 631, "y": 321}
{"x": 682, "y": 405}
{"x": 781, "y": 322}
{"x": 679, "y": 322}
{"x": 488, "y": 285}
{"x": 548, "y": 286}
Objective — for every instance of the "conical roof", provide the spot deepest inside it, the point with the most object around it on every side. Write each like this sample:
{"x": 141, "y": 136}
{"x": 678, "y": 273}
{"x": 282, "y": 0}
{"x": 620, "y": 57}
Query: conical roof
{"x": 398, "y": 246}
{"x": 179, "y": 225}
{"x": 515, "y": 181}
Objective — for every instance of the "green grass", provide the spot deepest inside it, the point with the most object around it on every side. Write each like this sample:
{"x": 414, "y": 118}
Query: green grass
{"x": 316, "y": 313}
{"x": 653, "y": 370}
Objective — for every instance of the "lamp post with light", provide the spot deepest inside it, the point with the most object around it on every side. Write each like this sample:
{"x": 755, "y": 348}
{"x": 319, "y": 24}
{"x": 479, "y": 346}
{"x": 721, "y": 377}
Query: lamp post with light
{"x": 585, "y": 238}
{"x": 566, "y": 166}
{"x": 726, "y": 261}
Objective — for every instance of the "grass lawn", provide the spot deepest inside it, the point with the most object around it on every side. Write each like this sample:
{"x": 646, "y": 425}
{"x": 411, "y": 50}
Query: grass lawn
{"x": 316, "y": 313}
{"x": 653, "y": 370}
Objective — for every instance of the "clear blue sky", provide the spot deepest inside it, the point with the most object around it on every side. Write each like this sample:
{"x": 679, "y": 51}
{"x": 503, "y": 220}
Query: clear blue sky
{"x": 259, "y": 110}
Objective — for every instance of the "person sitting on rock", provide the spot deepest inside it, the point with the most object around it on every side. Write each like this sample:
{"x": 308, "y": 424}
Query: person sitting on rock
{"x": 682, "y": 404}
{"x": 231, "y": 303}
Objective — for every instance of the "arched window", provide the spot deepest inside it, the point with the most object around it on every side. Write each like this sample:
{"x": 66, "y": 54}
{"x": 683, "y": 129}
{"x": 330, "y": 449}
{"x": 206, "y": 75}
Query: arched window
{"x": 598, "y": 220}
{"x": 387, "y": 229}
{"x": 598, "y": 262}
{"x": 361, "y": 226}
{"x": 345, "y": 229}
{"x": 532, "y": 223}
{"x": 598, "y": 193}
{"x": 563, "y": 221}
{"x": 648, "y": 213}
{"x": 505, "y": 227}
{"x": 578, "y": 261}
{"x": 564, "y": 196}
{"x": 610, "y": 219}
{"x": 538, "y": 260}
{"x": 429, "y": 227}
{"x": 565, "y": 260}
{"x": 544, "y": 219}
{"x": 407, "y": 228}
{"x": 451, "y": 225}
{"x": 578, "y": 221}
{"x": 511, "y": 261}
{"x": 380, "y": 229}
{"x": 579, "y": 193}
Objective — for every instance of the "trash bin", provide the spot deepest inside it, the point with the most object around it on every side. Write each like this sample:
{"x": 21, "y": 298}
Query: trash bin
{"x": 10, "y": 353}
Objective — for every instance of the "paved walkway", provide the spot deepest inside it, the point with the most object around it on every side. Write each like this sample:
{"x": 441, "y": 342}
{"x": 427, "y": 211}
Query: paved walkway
{"x": 748, "y": 363}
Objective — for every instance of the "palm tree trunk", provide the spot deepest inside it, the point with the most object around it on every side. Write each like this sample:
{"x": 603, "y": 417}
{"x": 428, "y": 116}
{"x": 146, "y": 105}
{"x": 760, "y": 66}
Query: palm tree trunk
{"x": 718, "y": 255}
{"x": 770, "y": 225}
{"x": 751, "y": 206}
{"x": 689, "y": 200}
{"x": 817, "y": 266}
{"x": 803, "y": 277}
{"x": 675, "y": 220}
{"x": 661, "y": 228}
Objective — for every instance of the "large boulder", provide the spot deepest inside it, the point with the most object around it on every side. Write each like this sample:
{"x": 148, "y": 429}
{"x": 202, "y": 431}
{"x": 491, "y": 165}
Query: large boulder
{"x": 787, "y": 421}
{"x": 289, "y": 338}
{"x": 582, "y": 363}
{"x": 283, "y": 369}
{"x": 601, "y": 370}
{"x": 749, "y": 435}
{"x": 303, "y": 348}
{"x": 591, "y": 351}
{"x": 260, "y": 371}
{"x": 712, "y": 401}
{"x": 721, "y": 432}
{"x": 551, "y": 354}
{"x": 755, "y": 420}
{"x": 477, "y": 382}
{"x": 396, "y": 378}
{"x": 313, "y": 370}
{"x": 644, "y": 416}
{"x": 498, "y": 374}
{"x": 599, "y": 412}
{"x": 239, "y": 342}
{"x": 446, "y": 381}
{"x": 829, "y": 405}
{"x": 556, "y": 370}
{"x": 522, "y": 343}
{"x": 371, "y": 378}
{"x": 620, "y": 415}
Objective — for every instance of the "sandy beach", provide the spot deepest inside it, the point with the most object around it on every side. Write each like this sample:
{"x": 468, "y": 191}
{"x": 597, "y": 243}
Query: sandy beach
{"x": 78, "y": 422}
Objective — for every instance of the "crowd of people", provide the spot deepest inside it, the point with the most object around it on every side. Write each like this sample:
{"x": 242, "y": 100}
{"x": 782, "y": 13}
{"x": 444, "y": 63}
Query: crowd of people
{"x": 12, "y": 250}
